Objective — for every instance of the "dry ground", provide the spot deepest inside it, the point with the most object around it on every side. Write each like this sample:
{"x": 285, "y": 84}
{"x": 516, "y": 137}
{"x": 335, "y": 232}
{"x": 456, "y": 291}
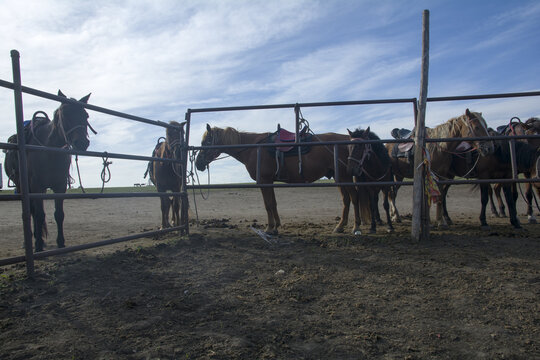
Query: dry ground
{"x": 224, "y": 293}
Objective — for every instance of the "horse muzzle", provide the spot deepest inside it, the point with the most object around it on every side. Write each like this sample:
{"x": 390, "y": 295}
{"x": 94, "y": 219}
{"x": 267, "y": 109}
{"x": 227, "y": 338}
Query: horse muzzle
{"x": 81, "y": 144}
{"x": 486, "y": 148}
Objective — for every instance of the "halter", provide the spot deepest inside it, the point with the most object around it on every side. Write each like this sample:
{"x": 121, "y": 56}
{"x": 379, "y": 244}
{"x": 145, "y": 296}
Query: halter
{"x": 65, "y": 133}
{"x": 366, "y": 156}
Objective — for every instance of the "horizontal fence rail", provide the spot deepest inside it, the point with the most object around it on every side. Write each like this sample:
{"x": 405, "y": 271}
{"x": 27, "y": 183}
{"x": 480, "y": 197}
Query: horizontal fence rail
{"x": 25, "y": 195}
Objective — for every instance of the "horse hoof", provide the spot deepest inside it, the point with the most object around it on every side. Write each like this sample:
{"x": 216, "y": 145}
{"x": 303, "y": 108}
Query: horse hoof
{"x": 338, "y": 230}
{"x": 357, "y": 232}
{"x": 271, "y": 232}
{"x": 485, "y": 227}
{"x": 390, "y": 230}
{"x": 532, "y": 220}
{"x": 61, "y": 246}
{"x": 372, "y": 231}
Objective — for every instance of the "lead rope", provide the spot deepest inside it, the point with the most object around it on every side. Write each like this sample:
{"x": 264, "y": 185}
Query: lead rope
{"x": 105, "y": 172}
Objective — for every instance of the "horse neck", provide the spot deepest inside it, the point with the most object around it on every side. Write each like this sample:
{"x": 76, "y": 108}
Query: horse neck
{"x": 49, "y": 134}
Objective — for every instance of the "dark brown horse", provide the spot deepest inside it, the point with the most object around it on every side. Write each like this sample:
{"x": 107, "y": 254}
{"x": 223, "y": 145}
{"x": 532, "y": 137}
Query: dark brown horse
{"x": 498, "y": 166}
{"x": 46, "y": 169}
{"x": 370, "y": 162}
{"x": 166, "y": 175}
{"x": 316, "y": 163}
{"x": 471, "y": 124}
{"x": 516, "y": 127}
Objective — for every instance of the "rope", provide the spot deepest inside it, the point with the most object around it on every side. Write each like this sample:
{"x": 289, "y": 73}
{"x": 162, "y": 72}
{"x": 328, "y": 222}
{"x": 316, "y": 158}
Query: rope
{"x": 105, "y": 172}
{"x": 78, "y": 174}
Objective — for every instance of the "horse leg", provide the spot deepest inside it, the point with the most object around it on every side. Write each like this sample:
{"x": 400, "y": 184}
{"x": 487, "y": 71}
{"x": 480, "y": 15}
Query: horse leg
{"x": 512, "y": 212}
{"x": 277, "y": 221}
{"x": 59, "y": 218}
{"x": 386, "y": 206}
{"x": 497, "y": 191}
{"x": 38, "y": 213}
{"x": 165, "y": 206}
{"x": 444, "y": 193}
{"x": 494, "y": 210}
{"x": 377, "y": 213}
{"x": 345, "y": 211}
{"x": 373, "y": 205}
{"x": 393, "y": 209}
{"x": 529, "y": 196}
{"x": 268, "y": 198}
{"x": 484, "y": 189}
{"x": 176, "y": 210}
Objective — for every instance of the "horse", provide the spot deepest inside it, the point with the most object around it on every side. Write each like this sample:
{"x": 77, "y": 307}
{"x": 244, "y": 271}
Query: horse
{"x": 514, "y": 128}
{"x": 68, "y": 129}
{"x": 316, "y": 163}
{"x": 166, "y": 175}
{"x": 498, "y": 166}
{"x": 470, "y": 124}
{"x": 370, "y": 163}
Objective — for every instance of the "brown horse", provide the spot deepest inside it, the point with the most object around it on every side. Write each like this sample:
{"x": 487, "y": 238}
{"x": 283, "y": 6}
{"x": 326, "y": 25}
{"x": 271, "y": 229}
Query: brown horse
{"x": 166, "y": 175}
{"x": 46, "y": 169}
{"x": 530, "y": 127}
{"x": 471, "y": 124}
{"x": 498, "y": 166}
{"x": 315, "y": 164}
{"x": 370, "y": 163}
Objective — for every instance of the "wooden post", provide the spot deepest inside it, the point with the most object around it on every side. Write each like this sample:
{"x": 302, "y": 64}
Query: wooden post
{"x": 419, "y": 229}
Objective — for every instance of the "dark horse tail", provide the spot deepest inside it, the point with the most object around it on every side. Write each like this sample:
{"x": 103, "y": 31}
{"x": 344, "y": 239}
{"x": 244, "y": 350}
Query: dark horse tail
{"x": 363, "y": 203}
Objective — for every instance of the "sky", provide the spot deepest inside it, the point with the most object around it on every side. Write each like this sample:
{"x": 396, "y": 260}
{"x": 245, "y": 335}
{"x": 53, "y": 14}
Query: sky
{"x": 156, "y": 59}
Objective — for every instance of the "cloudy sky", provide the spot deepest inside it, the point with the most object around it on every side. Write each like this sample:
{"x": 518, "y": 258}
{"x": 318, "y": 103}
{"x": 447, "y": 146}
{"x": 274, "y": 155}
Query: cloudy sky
{"x": 156, "y": 59}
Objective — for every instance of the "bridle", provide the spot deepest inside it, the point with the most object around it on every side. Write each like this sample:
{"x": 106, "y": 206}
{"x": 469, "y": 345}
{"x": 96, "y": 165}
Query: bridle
{"x": 66, "y": 134}
{"x": 366, "y": 155}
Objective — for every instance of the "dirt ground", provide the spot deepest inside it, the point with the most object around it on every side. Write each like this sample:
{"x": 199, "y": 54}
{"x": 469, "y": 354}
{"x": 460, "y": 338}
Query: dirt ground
{"x": 224, "y": 293}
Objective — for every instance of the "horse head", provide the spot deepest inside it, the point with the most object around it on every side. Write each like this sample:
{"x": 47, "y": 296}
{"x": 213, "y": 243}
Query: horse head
{"x": 206, "y": 156}
{"x": 71, "y": 120}
{"x": 476, "y": 126}
{"x": 175, "y": 138}
{"x": 359, "y": 152}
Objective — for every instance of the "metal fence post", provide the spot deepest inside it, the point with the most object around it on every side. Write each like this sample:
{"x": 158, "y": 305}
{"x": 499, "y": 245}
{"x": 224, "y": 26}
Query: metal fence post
{"x": 23, "y": 168}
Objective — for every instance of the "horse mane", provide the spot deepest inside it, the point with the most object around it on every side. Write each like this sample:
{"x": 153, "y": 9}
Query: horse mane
{"x": 378, "y": 147}
{"x": 450, "y": 129}
{"x": 226, "y": 136}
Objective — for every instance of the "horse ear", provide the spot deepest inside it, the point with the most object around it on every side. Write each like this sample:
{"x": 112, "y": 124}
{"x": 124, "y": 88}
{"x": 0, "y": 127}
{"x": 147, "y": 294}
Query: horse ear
{"x": 85, "y": 99}
{"x": 350, "y": 133}
{"x": 367, "y": 130}
{"x": 468, "y": 113}
{"x": 60, "y": 93}
{"x": 208, "y": 128}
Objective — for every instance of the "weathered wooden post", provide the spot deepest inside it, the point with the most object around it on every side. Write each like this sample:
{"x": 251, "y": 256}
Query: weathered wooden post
{"x": 420, "y": 219}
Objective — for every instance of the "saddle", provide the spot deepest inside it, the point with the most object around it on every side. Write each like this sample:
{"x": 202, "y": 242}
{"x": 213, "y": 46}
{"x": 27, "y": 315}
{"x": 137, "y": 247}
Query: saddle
{"x": 282, "y": 136}
{"x": 29, "y": 128}
{"x": 403, "y": 150}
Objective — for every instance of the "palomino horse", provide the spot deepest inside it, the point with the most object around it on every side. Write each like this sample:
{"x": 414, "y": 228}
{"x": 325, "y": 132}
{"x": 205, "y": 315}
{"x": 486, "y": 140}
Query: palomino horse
{"x": 316, "y": 163}
{"x": 46, "y": 169}
{"x": 369, "y": 162}
{"x": 166, "y": 175}
{"x": 498, "y": 166}
{"x": 530, "y": 127}
{"x": 471, "y": 124}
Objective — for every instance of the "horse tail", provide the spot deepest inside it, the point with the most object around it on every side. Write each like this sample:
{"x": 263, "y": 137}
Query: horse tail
{"x": 364, "y": 204}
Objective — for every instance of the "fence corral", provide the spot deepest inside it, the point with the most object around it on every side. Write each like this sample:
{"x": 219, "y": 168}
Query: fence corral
{"x": 25, "y": 196}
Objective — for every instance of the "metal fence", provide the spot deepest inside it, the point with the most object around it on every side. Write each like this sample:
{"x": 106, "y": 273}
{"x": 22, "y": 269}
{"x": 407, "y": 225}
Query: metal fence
{"x": 25, "y": 195}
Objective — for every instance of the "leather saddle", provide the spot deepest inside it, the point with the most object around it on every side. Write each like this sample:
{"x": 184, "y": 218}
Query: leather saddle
{"x": 283, "y": 136}
{"x": 402, "y": 150}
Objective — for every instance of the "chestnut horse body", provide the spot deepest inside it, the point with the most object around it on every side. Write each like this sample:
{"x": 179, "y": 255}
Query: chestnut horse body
{"x": 167, "y": 176}
{"x": 315, "y": 164}
{"x": 471, "y": 124}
